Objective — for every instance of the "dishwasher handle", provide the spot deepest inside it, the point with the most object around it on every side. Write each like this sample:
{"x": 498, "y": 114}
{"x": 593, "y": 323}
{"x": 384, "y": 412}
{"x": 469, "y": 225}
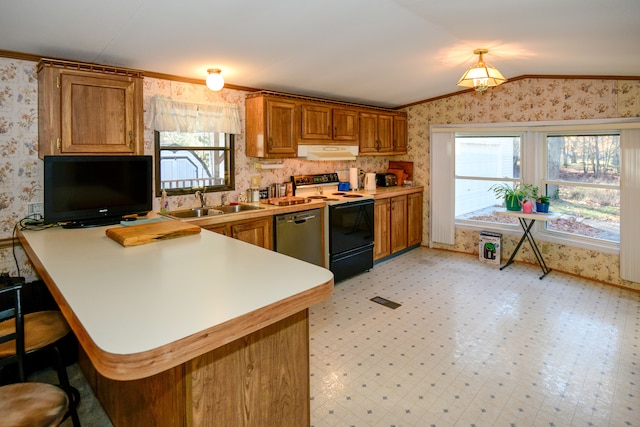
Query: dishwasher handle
{"x": 301, "y": 220}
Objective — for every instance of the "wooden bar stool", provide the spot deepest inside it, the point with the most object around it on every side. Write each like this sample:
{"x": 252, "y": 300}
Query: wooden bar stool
{"x": 32, "y": 405}
{"x": 23, "y": 334}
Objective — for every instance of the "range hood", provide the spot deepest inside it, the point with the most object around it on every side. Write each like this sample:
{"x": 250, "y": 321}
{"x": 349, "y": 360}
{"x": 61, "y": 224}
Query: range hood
{"x": 328, "y": 152}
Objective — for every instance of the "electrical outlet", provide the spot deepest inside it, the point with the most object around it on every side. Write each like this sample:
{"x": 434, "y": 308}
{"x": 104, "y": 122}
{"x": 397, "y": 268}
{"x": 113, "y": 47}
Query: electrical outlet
{"x": 36, "y": 208}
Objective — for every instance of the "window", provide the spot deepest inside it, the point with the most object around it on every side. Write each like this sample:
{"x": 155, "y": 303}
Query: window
{"x": 188, "y": 161}
{"x": 480, "y": 163}
{"x": 583, "y": 180}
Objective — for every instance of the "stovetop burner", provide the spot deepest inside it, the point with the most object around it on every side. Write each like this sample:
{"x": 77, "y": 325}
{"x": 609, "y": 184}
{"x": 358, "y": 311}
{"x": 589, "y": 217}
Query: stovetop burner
{"x": 316, "y": 197}
{"x": 352, "y": 196}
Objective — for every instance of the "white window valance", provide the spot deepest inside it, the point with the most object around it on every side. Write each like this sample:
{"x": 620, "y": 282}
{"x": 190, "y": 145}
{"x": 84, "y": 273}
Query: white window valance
{"x": 170, "y": 115}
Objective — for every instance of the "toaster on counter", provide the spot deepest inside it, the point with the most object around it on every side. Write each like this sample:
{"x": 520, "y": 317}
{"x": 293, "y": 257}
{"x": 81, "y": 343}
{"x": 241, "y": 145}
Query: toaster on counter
{"x": 386, "y": 180}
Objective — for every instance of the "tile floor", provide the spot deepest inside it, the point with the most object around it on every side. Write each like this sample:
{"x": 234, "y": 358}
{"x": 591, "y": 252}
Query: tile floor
{"x": 469, "y": 346}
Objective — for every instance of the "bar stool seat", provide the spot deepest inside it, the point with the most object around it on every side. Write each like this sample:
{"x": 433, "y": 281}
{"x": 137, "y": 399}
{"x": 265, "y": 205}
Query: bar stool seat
{"x": 41, "y": 329}
{"x": 32, "y": 404}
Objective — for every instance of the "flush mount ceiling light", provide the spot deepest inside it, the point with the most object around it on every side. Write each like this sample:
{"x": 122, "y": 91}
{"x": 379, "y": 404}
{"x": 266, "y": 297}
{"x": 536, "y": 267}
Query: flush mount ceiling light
{"x": 482, "y": 75}
{"x": 215, "y": 81}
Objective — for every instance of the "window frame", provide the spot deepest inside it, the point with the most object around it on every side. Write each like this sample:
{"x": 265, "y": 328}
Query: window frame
{"x": 531, "y": 147}
{"x": 228, "y": 186}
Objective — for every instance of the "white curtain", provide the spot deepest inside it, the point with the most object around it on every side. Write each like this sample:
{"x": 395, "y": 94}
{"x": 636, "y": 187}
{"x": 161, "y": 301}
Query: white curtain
{"x": 176, "y": 116}
{"x": 443, "y": 228}
{"x": 630, "y": 205}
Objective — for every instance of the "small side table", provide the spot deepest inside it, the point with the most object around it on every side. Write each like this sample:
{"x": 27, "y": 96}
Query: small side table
{"x": 526, "y": 227}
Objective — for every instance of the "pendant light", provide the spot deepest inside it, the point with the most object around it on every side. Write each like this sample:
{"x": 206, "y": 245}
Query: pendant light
{"x": 215, "y": 81}
{"x": 482, "y": 75}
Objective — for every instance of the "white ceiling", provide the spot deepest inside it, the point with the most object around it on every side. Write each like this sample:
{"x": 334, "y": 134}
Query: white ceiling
{"x": 377, "y": 52}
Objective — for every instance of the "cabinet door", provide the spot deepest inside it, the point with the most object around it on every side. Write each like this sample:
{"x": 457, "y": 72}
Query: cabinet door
{"x": 368, "y": 133}
{"x": 281, "y": 127}
{"x": 345, "y": 125}
{"x": 385, "y": 133}
{"x": 414, "y": 223}
{"x": 381, "y": 229}
{"x": 220, "y": 229}
{"x": 97, "y": 115}
{"x": 257, "y": 232}
{"x": 398, "y": 223}
{"x": 315, "y": 122}
{"x": 399, "y": 134}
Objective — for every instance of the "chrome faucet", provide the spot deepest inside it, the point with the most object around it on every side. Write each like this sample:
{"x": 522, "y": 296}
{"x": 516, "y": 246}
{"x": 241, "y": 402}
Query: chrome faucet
{"x": 223, "y": 199}
{"x": 201, "y": 195}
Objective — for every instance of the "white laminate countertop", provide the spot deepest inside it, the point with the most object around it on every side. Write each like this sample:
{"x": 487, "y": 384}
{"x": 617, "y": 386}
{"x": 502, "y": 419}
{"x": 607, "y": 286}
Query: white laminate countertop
{"x": 135, "y": 299}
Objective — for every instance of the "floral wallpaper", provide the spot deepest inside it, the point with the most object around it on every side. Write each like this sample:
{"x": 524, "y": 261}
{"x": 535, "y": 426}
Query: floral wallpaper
{"x": 520, "y": 100}
{"x": 533, "y": 99}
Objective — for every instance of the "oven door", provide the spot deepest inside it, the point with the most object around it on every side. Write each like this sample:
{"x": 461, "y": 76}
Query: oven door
{"x": 350, "y": 226}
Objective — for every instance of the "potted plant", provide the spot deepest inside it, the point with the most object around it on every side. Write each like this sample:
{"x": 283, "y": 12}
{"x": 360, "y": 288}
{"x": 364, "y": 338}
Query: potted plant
{"x": 542, "y": 202}
{"x": 513, "y": 195}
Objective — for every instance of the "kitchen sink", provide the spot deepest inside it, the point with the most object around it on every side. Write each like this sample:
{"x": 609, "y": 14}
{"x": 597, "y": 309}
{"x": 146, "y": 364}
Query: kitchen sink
{"x": 211, "y": 211}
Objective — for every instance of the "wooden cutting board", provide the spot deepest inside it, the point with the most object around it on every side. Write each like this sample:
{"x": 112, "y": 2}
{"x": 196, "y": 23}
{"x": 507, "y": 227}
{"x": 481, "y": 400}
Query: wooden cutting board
{"x": 147, "y": 233}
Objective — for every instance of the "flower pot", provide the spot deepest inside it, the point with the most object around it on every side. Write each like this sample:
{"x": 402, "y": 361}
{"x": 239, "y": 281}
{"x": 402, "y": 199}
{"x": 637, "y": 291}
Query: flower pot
{"x": 542, "y": 207}
{"x": 527, "y": 207}
{"x": 513, "y": 204}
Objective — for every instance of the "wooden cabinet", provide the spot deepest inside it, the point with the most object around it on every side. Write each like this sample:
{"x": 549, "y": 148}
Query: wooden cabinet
{"x": 322, "y": 123}
{"x": 381, "y": 228}
{"x": 399, "y": 134}
{"x": 272, "y": 127}
{"x": 316, "y": 122}
{"x": 397, "y": 224}
{"x": 346, "y": 125}
{"x": 376, "y": 133}
{"x": 383, "y": 134}
{"x": 88, "y": 109}
{"x": 276, "y": 123}
{"x": 258, "y": 231}
{"x": 414, "y": 215}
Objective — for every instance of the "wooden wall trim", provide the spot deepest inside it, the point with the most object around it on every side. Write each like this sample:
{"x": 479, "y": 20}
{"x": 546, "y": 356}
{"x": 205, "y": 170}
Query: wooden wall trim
{"x": 8, "y": 242}
{"x": 36, "y": 58}
{"x": 522, "y": 77}
{"x": 151, "y": 74}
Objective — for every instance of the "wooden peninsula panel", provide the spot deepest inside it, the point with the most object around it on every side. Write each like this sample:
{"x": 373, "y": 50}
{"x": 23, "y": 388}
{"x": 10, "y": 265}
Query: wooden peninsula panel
{"x": 164, "y": 345}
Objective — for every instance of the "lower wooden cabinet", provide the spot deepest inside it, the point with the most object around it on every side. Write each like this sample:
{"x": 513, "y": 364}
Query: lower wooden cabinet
{"x": 258, "y": 231}
{"x": 414, "y": 214}
{"x": 397, "y": 224}
{"x": 381, "y": 228}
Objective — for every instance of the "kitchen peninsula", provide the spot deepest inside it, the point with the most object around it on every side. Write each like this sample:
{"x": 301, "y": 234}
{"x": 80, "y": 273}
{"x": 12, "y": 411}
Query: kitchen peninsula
{"x": 199, "y": 330}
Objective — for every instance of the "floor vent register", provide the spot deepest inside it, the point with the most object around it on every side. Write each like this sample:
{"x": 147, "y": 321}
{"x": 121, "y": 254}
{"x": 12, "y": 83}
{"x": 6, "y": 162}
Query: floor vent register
{"x": 386, "y": 302}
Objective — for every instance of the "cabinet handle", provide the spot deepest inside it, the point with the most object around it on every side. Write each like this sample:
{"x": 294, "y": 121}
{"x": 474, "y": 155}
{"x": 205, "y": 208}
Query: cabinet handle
{"x": 270, "y": 143}
{"x": 131, "y": 140}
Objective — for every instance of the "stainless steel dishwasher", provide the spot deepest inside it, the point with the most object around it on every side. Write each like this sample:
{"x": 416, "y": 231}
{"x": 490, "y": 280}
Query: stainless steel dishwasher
{"x": 299, "y": 235}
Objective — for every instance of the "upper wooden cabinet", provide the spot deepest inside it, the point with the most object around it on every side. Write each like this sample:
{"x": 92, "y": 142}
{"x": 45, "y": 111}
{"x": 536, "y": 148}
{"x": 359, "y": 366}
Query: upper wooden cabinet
{"x": 399, "y": 134}
{"x": 323, "y": 123}
{"x": 88, "y": 109}
{"x": 277, "y": 123}
{"x": 272, "y": 127}
{"x": 383, "y": 134}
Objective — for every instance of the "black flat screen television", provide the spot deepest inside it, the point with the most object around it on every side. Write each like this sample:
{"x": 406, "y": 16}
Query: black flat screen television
{"x": 84, "y": 191}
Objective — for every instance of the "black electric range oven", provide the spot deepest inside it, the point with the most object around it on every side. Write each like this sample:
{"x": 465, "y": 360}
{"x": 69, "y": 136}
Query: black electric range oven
{"x": 348, "y": 224}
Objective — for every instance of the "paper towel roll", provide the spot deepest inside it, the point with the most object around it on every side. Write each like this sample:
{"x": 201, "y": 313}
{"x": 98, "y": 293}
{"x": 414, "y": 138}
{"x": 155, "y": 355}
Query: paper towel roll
{"x": 353, "y": 178}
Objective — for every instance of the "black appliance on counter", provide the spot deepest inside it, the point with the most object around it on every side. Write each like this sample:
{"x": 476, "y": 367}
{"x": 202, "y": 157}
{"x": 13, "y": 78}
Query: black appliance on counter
{"x": 348, "y": 219}
{"x": 386, "y": 180}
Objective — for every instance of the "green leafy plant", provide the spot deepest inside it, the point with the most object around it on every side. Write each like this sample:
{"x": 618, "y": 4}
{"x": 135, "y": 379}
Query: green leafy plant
{"x": 539, "y": 198}
{"x": 513, "y": 196}
{"x": 511, "y": 193}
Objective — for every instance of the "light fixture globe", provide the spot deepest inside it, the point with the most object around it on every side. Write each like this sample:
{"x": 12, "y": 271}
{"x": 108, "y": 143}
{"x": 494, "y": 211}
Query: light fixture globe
{"x": 482, "y": 75}
{"x": 215, "y": 81}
